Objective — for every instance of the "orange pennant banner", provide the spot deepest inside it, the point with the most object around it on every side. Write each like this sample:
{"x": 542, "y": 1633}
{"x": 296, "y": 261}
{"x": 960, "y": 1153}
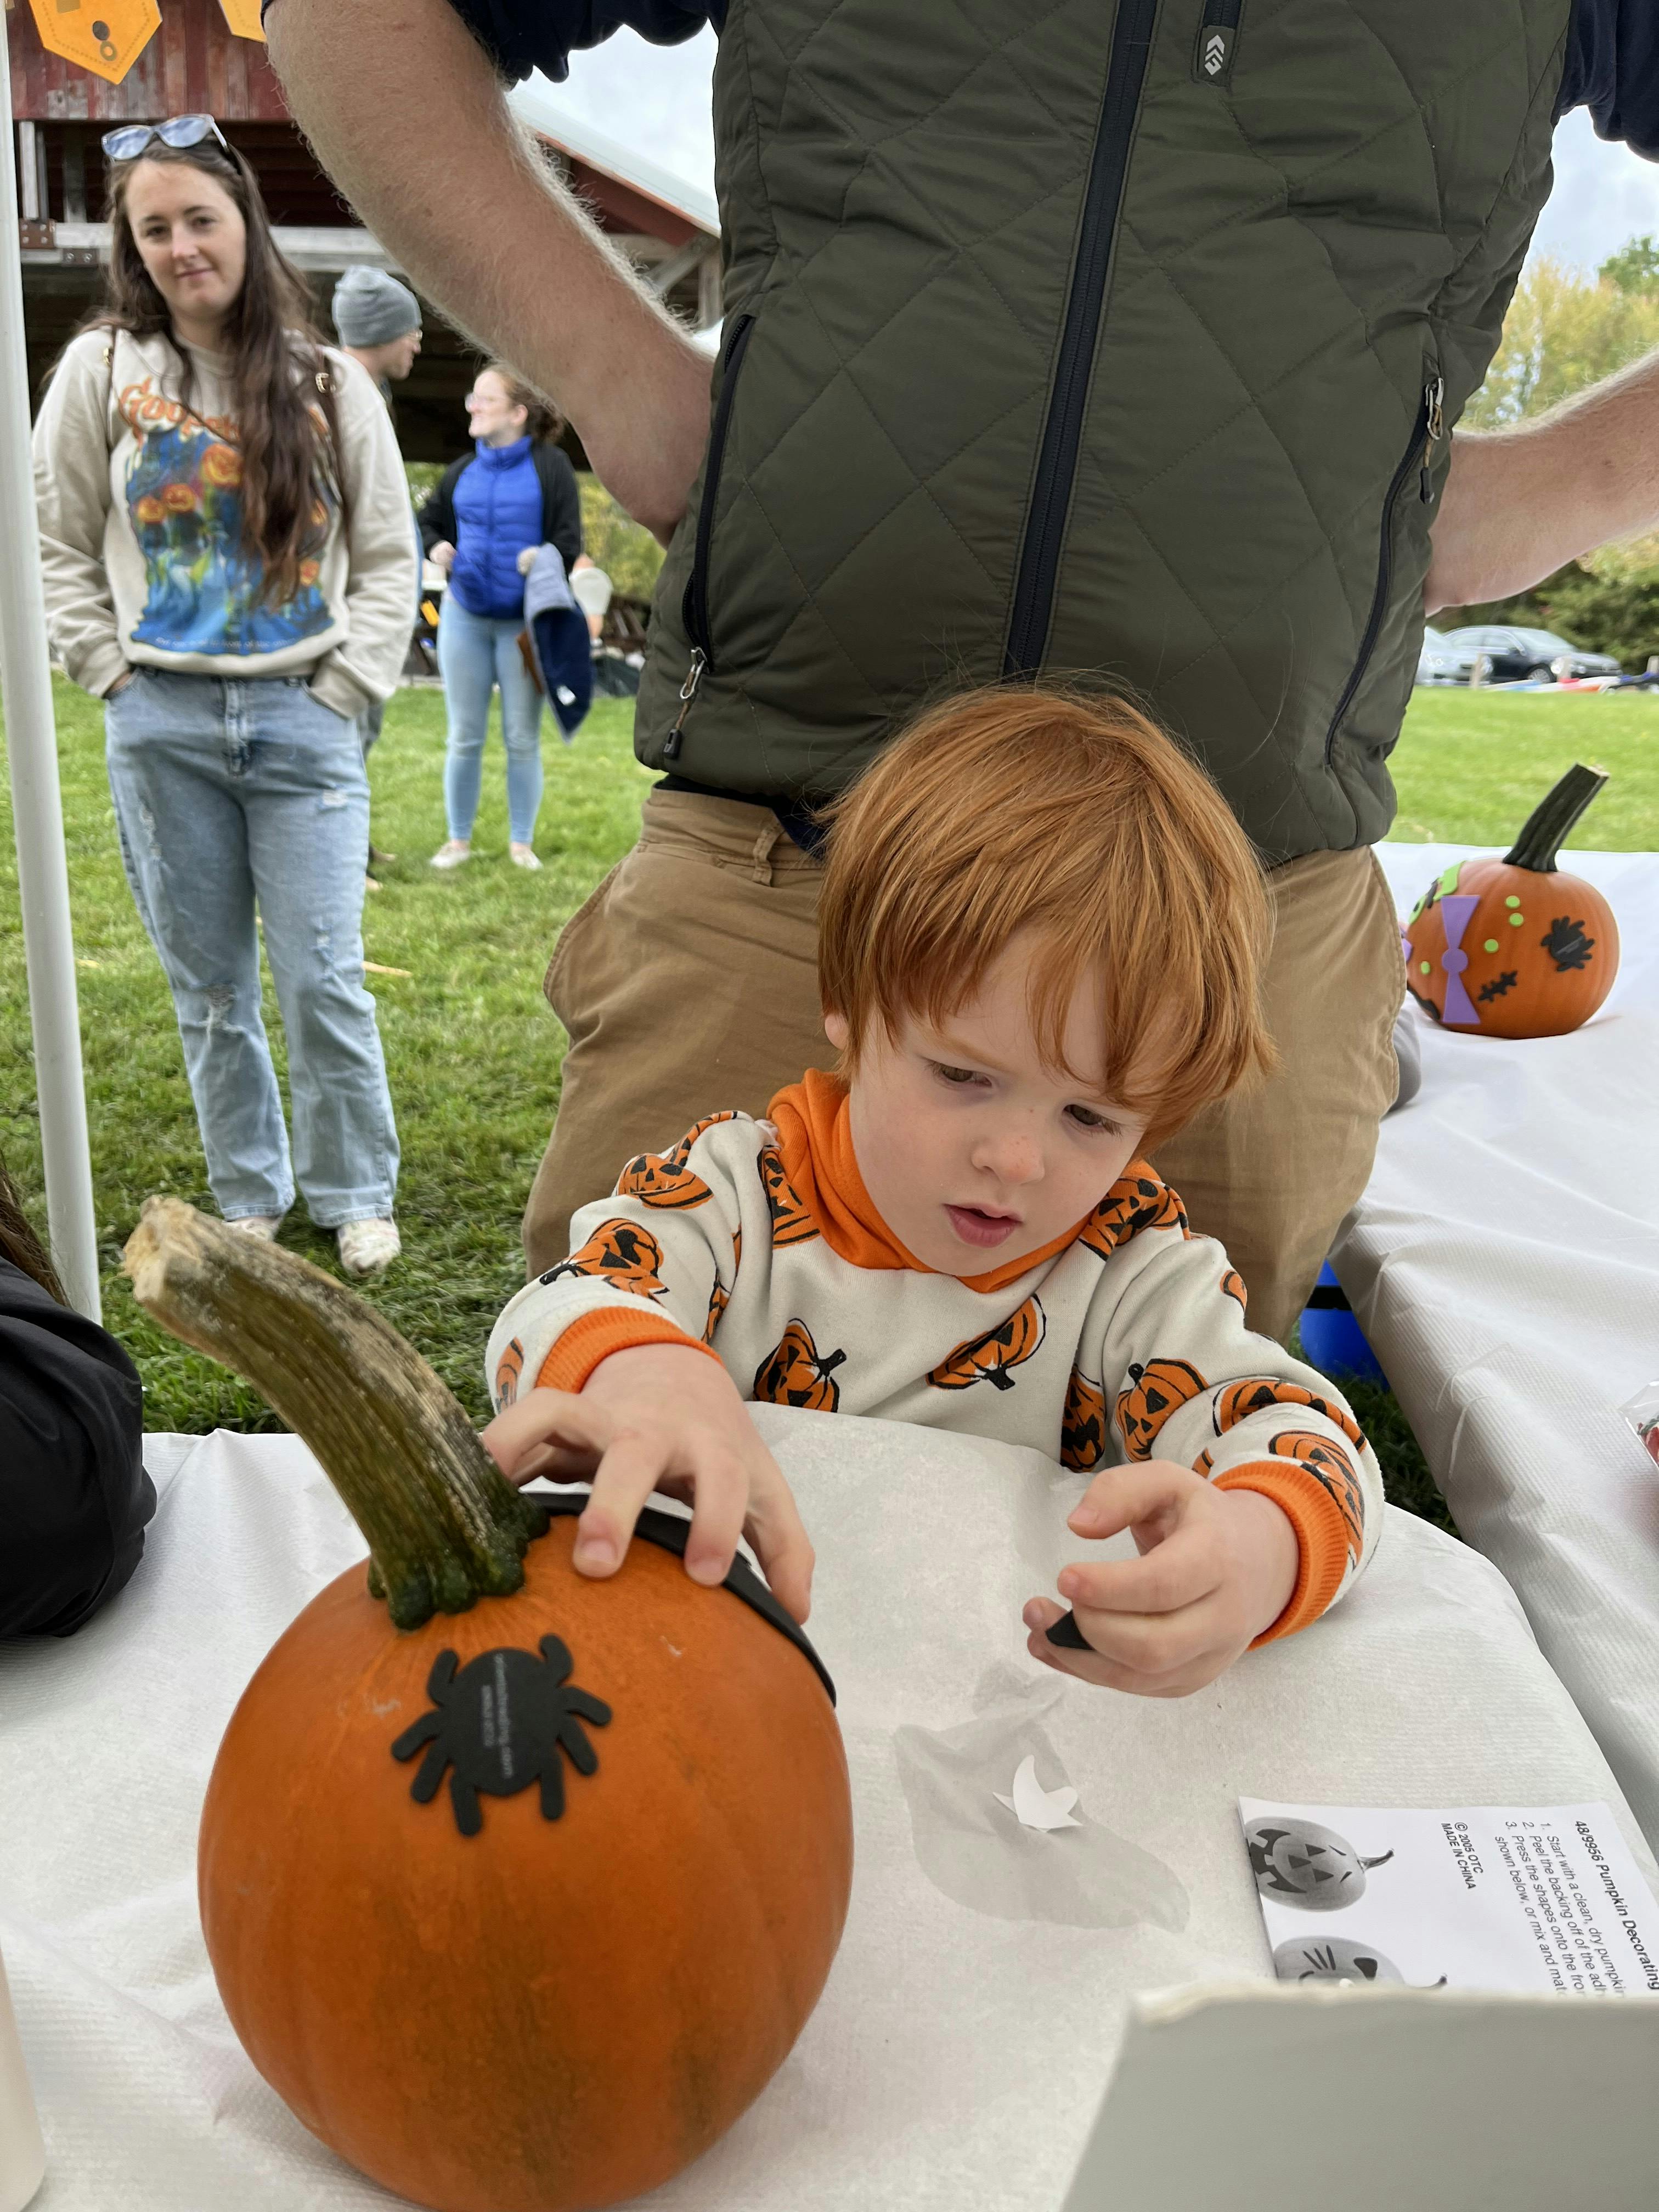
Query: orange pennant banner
{"x": 104, "y": 36}
{"x": 243, "y": 17}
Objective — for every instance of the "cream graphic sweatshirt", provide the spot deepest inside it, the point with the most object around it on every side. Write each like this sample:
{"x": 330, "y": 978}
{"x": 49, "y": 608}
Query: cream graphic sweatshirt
{"x": 139, "y": 501}
{"x": 1125, "y": 1339}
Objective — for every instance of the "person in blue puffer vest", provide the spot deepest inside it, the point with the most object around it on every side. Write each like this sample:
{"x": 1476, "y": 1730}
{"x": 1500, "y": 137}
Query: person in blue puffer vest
{"x": 484, "y": 524}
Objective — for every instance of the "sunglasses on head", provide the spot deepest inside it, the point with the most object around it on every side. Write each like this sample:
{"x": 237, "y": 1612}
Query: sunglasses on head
{"x": 179, "y": 131}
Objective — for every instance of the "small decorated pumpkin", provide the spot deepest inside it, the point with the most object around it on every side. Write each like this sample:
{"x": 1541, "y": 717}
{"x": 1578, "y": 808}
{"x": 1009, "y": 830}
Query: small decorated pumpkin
{"x": 519, "y": 1902}
{"x": 1515, "y": 948}
{"x": 1298, "y": 1862}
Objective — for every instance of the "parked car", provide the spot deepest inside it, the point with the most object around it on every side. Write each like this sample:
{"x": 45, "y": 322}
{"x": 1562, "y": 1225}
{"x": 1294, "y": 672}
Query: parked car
{"x": 1440, "y": 661}
{"x": 1513, "y": 655}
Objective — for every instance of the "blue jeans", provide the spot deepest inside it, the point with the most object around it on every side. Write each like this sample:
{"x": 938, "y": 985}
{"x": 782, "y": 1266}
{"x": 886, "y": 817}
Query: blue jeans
{"x": 476, "y": 653}
{"x": 233, "y": 795}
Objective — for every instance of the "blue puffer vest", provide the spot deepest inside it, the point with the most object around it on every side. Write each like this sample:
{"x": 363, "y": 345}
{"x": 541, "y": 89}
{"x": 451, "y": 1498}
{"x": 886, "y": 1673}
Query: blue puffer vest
{"x": 498, "y": 512}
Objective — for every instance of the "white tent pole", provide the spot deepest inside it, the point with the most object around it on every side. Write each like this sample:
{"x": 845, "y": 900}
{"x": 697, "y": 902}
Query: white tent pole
{"x": 37, "y": 803}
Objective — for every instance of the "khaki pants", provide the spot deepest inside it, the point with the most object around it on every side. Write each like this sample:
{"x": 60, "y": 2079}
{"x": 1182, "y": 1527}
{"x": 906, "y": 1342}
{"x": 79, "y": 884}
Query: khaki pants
{"x": 688, "y": 982}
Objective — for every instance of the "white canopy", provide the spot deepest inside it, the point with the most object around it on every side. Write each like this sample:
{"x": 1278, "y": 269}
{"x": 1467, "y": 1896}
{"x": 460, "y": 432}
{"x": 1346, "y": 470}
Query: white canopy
{"x": 38, "y": 813}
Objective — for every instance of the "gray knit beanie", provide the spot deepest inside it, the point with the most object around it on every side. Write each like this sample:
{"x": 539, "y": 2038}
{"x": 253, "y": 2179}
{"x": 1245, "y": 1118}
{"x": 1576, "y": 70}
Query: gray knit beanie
{"x": 371, "y": 308}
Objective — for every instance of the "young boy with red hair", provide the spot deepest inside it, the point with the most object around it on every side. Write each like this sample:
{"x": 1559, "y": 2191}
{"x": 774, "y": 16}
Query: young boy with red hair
{"x": 1039, "y": 938}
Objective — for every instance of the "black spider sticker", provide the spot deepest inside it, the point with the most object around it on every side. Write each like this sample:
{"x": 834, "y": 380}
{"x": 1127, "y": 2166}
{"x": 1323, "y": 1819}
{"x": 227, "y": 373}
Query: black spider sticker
{"x": 499, "y": 1724}
{"x": 1567, "y": 945}
{"x": 1498, "y": 985}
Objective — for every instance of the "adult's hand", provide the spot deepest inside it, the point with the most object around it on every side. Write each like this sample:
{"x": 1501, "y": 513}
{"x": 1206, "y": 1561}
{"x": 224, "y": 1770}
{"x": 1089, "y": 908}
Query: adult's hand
{"x": 1519, "y": 504}
{"x": 442, "y": 556}
{"x": 490, "y": 234}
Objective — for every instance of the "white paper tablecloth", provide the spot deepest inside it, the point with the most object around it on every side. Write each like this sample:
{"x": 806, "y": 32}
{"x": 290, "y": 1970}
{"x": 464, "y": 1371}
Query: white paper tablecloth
{"x": 1505, "y": 1264}
{"x": 958, "y": 2057}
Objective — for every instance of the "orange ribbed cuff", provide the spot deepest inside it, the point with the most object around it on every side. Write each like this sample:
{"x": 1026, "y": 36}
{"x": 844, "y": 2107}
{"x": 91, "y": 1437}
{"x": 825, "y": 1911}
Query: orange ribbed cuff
{"x": 594, "y": 1336}
{"x": 1322, "y": 1536}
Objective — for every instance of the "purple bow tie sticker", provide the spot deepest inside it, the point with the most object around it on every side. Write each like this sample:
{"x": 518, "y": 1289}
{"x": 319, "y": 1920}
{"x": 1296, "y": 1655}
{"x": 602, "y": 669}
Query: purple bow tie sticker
{"x": 1455, "y": 912}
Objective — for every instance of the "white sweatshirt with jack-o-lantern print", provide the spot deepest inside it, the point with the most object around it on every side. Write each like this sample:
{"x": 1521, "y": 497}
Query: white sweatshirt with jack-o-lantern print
{"x": 757, "y": 1243}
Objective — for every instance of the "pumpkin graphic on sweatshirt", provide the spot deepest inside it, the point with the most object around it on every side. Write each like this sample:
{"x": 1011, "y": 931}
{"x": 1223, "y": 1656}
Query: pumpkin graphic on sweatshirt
{"x": 1155, "y": 1391}
{"x": 1260, "y": 1392}
{"x": 508, "y": 1368}
{"x": 1332, "y": 1468}
{"x": 992, "y": 1357}
{"x": 1137, "y": 1202}
{"x": 795, "y": 1373}
{"x": 791, "y": 1222}
{"x": 663, "y": 1179}
{"x": 621, "y": 1253}
{"x": 1083, "y": 1426}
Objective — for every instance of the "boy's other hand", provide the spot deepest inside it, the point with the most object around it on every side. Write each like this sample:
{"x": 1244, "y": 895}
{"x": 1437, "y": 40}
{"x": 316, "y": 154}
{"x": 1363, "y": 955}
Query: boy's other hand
{"x": 653, "y": 1419}
{"x": 1217, "y": 1568}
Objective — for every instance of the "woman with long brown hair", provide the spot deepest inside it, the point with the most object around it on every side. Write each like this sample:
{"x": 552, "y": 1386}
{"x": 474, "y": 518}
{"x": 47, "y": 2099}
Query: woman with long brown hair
{"x": 229, "y": 566}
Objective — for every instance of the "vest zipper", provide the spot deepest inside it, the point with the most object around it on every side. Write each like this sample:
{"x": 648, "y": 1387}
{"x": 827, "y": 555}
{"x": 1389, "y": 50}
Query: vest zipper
{"x": 1427, "y": 432}
{"x": 1062, "y": 433}
{"x": 694, "y": 607}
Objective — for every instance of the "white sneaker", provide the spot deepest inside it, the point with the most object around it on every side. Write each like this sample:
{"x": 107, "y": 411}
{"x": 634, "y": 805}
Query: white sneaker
{"x": 262, "y": 1226}
{"x": 523, "y": 856}
{"x": 454, "y": 855}
{"x": 366, "y": 1247}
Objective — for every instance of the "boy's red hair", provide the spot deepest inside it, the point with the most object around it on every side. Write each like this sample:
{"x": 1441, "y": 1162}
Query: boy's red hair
{"x": 1075, "y": 818}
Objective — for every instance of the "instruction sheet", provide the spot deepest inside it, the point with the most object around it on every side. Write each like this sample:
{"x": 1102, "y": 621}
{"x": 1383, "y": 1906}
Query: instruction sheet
{"x": 1524, "y": 1898}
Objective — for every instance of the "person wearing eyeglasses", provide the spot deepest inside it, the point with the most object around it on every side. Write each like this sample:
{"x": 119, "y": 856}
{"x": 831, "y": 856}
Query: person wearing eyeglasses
{"x": 229, "y": 566}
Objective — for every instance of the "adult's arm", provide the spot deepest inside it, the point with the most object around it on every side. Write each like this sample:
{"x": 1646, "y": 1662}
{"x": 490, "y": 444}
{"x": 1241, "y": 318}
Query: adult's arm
{"x": 468, "y": 207}
{"x": 72, "y": 499}
{"x": 436, "y": 519}
{"x": 562, "y": 518}
{"x": 382, "y": 578}
{"x": 74, "y": 1495}
{"x": 1520, "y": 503}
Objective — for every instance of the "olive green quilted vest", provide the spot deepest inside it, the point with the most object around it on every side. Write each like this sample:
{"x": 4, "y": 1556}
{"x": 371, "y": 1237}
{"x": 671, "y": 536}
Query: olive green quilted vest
{"x": 1071, "y": 339}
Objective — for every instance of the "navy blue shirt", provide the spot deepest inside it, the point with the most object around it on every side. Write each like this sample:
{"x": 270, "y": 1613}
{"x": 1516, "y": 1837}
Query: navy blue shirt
{"x": 1611, "y": 62}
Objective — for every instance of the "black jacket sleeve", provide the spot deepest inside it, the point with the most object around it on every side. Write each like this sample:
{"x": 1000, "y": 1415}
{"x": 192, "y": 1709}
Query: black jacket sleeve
{"x": 436, "y": 519}
{"x": 74, "y": 1495}
{"x": 521, "y": 35}
{"x": 561, "y": 504}
{"x": 1612, "y": 67}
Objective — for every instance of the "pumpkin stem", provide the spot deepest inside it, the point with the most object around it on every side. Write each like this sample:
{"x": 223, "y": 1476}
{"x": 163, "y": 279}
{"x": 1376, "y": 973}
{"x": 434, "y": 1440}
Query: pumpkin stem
{"x": 444, "y": 1525}
{"x": 1547, "y": 825}
{"x": 1383, "y": 1860}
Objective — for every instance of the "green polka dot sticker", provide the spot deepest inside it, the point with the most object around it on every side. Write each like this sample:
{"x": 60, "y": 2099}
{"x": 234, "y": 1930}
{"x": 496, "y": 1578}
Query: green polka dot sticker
{"x": 1424, "y": 965}
{"x": 1492, "y": 945}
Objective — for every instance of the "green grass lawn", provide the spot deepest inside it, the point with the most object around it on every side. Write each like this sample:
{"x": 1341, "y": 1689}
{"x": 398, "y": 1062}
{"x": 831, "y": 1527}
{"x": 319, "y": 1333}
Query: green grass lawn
{"x": 472, "y": 1050}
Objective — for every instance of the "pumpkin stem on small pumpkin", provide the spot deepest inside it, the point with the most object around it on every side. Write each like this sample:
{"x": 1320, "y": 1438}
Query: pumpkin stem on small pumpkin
{"x": 444, "y": 1526}
{"x": 1551, "y": 821}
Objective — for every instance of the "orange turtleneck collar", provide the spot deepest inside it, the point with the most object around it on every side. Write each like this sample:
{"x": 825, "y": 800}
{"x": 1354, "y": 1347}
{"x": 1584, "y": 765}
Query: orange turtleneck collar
{"x": 815, "y": 1136}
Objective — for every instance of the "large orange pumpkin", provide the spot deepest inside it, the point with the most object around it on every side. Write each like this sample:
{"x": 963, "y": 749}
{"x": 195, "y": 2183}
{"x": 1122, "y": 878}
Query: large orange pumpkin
{"x": 1516, "y": 948}
{"x": 517, "y": 1907}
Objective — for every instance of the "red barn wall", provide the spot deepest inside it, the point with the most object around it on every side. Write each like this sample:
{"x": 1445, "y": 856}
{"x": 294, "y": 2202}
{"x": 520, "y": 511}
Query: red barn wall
{"x": 194, "y": 64}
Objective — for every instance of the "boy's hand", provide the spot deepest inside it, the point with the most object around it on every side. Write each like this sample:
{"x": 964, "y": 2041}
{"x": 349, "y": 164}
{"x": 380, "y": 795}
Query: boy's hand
{"x": 1218, "y": 1567}
{"x": 657, "y": 1418}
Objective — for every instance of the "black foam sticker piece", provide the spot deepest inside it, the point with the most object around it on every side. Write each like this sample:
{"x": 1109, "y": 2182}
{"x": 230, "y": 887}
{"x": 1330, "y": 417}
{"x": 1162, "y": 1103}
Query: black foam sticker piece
{"x": 508, "y": 1718}
{"x": 1066, "y": 1633}
{"x": 670, "y": 1534}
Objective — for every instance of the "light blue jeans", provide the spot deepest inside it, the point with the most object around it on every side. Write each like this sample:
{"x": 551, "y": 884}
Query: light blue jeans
{"x": 229, "y": 797}
{"x": 474, "y": 655}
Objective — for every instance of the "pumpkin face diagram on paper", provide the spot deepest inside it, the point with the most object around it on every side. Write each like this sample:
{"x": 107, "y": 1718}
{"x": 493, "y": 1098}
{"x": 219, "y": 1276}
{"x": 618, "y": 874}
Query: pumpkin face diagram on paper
{"x": 500, "y": 1723}
{"x": 1333, "y": 1959}
{"x": 1298, "y": 1862}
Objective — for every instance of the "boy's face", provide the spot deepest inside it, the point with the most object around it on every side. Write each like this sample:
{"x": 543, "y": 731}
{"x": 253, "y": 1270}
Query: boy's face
{"x": 974, "y": 1151}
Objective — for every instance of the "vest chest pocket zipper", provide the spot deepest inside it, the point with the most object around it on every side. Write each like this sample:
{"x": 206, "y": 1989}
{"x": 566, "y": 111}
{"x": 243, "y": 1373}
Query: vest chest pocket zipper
{"x": 1416, "y": 461}
{"x": 1217, "y": 41}
{"x": 694, "y": 607}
